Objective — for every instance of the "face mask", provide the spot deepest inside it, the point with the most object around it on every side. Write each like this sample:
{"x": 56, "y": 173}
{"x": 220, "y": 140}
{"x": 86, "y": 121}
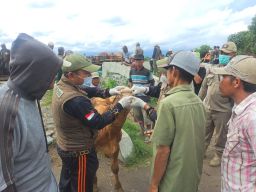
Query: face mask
{"x": 224, "y": 59}
{"x": 87, "y": 81}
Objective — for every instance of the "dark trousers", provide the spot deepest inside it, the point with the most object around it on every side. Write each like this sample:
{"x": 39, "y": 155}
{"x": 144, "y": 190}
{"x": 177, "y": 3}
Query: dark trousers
{"x": 78, "y": 172}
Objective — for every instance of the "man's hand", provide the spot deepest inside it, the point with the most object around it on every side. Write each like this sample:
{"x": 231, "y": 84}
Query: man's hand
{"x": 198, "y": 79}
{"x": 126, "y": 101}
{"x": 137, "y": 102}
{"x": 137, "y": 90}
{"x": 116, "y": 90}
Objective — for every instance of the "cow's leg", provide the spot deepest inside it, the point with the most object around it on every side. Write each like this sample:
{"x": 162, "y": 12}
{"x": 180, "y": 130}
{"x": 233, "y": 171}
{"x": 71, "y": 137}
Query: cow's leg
{"x": 95, "y": 184}
{"x": 115, "y": 170}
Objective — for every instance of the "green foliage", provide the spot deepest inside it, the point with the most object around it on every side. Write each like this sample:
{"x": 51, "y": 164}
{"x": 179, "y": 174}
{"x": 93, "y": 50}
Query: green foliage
{"x": 153, "y": 101}
{"x": 108, "y": 83}
{"x": 147, "y": 58}
{"x": 47, "y": 99}
{"x": 252, "y": 27}
{"x": 203, "y": 49}
{"x": 142, "y": 152}
{"x": 245, "y": 40}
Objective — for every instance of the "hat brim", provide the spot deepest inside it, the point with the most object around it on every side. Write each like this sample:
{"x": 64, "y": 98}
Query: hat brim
{"x": 220, "y": 71}
{"x": 226, "y": 51}
{"x": 91, "y": 68}
{"x": 165, "y": 66}
{"x": 161, "y": 64}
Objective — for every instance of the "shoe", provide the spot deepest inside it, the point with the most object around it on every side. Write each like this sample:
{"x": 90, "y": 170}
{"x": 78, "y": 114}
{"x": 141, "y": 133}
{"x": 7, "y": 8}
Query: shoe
{"x": 215, "y": 161}
{"x": 148, "y": 132}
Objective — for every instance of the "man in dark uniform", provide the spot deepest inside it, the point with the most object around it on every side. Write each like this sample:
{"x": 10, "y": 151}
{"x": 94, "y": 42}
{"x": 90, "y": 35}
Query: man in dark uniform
{"x": 77, "y": 123}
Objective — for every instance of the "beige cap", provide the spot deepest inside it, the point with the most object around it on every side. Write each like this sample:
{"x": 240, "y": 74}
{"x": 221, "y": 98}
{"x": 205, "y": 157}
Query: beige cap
{"x": 241, "y": 66}
{"x": 95, "y": 75}
{"x": 229, "y": 47}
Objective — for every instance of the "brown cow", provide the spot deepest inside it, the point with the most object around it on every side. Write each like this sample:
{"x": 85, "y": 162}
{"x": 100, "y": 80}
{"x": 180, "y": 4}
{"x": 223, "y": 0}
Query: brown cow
{"x": 109, "y": 137}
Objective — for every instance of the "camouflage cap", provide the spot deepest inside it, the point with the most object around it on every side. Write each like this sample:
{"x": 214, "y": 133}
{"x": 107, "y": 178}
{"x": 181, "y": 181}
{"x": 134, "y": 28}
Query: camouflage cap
{"x": 229, "y": 47}
{"x": 76, "y": 61}
{"x": 241, "y": 66}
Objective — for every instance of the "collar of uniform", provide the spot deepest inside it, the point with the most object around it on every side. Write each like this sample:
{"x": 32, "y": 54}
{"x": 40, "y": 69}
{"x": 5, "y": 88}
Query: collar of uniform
{"x": 67, "y": 81}
{"x": 186, "y": 87}
{"x": 238, "y": 109}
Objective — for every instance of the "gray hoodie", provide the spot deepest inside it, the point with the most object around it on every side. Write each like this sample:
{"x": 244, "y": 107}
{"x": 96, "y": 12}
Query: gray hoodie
{"x": 24, "y": 161}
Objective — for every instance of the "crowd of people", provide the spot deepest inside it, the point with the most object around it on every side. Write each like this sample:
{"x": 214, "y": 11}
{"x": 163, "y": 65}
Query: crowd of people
{"x": 183, "y": 122}
{"x": 4, "y": 60}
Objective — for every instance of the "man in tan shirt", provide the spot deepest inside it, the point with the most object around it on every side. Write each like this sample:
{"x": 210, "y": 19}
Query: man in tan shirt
{"x": 218, "y": 108}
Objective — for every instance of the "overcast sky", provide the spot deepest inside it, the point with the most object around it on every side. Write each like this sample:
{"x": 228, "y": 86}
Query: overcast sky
{"x": 98, "y": 25}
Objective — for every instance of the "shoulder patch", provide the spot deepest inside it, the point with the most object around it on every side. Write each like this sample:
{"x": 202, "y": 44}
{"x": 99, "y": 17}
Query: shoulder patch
{"x": 59, "y": 92}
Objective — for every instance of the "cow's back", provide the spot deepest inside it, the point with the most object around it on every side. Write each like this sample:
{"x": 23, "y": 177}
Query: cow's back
{"x": 109, "y": 137}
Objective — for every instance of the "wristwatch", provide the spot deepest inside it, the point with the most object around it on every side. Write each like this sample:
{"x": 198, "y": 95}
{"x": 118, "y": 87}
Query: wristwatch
{"x": 115, "y": 111}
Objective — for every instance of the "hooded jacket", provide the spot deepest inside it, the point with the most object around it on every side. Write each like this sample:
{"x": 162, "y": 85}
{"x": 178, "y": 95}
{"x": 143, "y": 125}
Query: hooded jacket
{"x": 24, "y": 162}
{"x": 33, "y": 67}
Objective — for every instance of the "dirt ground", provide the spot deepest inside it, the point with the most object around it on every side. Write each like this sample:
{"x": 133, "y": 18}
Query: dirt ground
{"x": 136, "y": 179}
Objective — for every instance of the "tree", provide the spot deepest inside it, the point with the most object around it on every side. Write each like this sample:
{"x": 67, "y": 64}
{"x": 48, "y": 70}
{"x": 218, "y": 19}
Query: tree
{"x": 252, "y": 27}
{"x": 244, "y": 41}
{"x": 203, "y": 49}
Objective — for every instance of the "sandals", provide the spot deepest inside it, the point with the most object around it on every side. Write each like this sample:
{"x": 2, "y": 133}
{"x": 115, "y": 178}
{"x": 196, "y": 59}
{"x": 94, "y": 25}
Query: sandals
{"x": 148, "y": 132}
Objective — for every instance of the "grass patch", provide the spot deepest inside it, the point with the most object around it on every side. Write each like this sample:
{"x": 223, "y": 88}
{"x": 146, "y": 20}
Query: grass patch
{"x": 108, "y": 83}
{"x": 47, "y": 99}
{"x": 153, "y": 102}
{"x": 142, "y": 152}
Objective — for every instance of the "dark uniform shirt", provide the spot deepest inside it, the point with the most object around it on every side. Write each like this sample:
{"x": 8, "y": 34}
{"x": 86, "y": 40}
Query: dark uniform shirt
{"x": 82, "y": 108}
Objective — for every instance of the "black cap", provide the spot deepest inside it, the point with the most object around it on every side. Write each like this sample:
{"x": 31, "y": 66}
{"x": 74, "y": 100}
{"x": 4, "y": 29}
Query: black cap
{"x": 139, "y": 57}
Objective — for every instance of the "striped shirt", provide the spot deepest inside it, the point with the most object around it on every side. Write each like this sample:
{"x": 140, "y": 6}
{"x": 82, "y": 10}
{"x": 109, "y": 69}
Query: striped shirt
{"x": 141, "y": 78}
{"x": 238, "y": 167}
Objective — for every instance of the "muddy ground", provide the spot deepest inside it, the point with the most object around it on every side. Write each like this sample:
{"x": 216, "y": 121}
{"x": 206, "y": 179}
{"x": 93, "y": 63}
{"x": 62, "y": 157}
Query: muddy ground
{"x": 136, "y": 179}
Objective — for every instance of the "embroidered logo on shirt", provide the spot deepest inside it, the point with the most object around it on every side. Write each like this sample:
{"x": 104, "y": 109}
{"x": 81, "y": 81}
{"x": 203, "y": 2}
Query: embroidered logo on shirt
{"x": 59, "y": 92}
{"x": 66, "y": 63}
{"x": 90, "y": 115}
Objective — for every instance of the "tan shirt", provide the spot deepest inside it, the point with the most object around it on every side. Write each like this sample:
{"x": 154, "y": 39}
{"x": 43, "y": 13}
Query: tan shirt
{"x": 211, "y": 95}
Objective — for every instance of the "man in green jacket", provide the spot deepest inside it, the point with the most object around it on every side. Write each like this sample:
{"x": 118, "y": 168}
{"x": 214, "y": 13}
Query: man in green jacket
{"x": 178, "y": 138}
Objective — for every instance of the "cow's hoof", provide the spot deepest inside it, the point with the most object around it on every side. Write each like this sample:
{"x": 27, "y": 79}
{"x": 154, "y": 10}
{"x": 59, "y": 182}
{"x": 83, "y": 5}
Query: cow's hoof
{"x": 119, "y": 190}
{"x": 95, "y": 188}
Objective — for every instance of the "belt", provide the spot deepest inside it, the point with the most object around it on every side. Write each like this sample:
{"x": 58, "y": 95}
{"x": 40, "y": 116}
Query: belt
{"x": 72, "y": 153}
